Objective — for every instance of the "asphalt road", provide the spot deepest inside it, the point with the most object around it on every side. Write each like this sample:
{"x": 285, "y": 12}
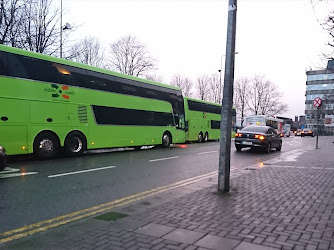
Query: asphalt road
{"x": 33, "y": 191}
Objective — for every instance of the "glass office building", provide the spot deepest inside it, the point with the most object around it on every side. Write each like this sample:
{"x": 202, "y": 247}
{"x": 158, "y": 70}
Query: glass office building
{"x": 320, "y": 83}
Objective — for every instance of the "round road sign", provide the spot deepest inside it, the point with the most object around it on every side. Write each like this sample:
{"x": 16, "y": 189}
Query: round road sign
{"x": 317, "y": 102}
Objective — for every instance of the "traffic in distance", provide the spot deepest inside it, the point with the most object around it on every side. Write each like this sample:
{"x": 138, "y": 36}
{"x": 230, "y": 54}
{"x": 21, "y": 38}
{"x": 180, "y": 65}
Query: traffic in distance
{"x": 52, "y": 106}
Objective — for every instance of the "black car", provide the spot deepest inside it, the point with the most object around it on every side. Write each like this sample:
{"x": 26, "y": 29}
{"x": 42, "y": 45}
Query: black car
{"x": 258, "y": 137}
{"x": 307, "y": 132}
{"x": 3, "y": 158}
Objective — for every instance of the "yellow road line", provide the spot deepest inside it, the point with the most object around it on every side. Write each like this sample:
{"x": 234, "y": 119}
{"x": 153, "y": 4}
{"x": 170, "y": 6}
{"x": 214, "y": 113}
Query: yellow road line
{"x": 64, "y": 219}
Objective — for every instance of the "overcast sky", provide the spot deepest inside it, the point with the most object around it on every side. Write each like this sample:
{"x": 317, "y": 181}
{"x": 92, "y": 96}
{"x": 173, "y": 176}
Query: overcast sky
{"x": 280, "y": 39}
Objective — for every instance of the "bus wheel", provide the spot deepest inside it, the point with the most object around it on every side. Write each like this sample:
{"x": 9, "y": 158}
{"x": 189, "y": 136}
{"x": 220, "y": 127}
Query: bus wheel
{"x": 166, "y": 140}
{"x": 75, "y": 144}
{"x": 200, "y": 137}
{"x": 46, "y": 146}
{"x": 206, "y": 137}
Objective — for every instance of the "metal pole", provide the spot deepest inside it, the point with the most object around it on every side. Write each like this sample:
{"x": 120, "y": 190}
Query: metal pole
{"x": 226, "y": 118}
{"x": 61, "y": 29}
{"x": 318, "y": 116}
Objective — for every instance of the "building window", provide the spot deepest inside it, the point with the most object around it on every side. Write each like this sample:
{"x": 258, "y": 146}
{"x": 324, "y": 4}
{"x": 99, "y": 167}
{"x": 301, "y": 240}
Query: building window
{"x": 320, "y": 77}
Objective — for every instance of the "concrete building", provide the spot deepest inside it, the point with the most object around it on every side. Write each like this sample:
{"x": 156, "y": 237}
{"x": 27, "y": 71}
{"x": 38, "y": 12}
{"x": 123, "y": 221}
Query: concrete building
{"x": 320, "y": 83}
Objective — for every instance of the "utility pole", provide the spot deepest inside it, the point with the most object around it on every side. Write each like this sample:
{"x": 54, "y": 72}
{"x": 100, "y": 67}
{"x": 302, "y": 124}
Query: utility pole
{"x": 226, "y": 115}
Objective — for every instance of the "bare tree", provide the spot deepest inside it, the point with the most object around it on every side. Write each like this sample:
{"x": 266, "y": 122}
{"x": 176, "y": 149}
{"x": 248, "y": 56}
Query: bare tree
{"x": 88, "y": 51}
{"x": 202, "y": 87}
{"x": 184, "y": 83}
{"x": 10, "y": 21}
{"x": 241, "y": 97}
{"x": 40, "y": 28}
{"x": 154, "y": 78}
{"x": 131, "y": 57}
{"x": 328, "y": 25}
{"x": 265, "y": 99}
{"x": 215, "y": 89}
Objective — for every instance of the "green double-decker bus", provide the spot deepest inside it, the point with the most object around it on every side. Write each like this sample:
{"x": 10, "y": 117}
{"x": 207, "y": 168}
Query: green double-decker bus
{"x": 202, "y": 120}
{"x": 48, "y": 104}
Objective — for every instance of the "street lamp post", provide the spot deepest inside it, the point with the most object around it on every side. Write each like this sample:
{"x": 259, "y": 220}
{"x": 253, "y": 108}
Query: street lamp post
{"x": 61, "y": 29}
{"x": 66, "y": 27}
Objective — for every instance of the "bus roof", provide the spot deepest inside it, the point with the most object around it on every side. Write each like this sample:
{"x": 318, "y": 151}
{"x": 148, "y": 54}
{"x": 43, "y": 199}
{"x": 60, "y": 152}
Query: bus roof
{"x": 201, "y": 101}
{"x": 79, "y": 65}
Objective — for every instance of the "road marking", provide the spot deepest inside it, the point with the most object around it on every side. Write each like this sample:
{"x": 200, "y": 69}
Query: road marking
{"x": 9, "y": 170}
{"x": 163, "y": 159}
{"x": 62, "y": 220}
{"x": 3, "y": 176}
{"x": 210, "y": 147}
{"x": 209, "y": 152}
{"x": 80, "y": 172}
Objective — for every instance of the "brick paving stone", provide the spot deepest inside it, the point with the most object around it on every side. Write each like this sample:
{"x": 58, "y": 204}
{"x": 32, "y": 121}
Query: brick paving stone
{"x": 219, "y": 243}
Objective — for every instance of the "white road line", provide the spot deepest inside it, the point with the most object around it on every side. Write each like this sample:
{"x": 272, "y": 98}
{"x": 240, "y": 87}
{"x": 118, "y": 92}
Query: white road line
{"x": 80, "y": 172}
{"x": 209, "y": 152}
{"x": 210, "y": 147}
{"x": 3, "y": 176}
{"x": 163, "y": 159}
{"x": 9, "y": 170}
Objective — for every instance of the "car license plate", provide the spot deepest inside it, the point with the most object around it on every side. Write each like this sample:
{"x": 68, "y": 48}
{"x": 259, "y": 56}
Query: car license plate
{"x": 247, "y": 143}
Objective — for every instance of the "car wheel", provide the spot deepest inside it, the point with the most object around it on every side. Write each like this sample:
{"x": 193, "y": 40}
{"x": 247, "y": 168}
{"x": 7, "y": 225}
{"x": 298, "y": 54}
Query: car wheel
{"x": 75, "y": 144}
{"x": 3, "y": 161}
{"x": 268, "y": 148}
{"x": 238, "y": 148}
{"x": 279, "y": 147}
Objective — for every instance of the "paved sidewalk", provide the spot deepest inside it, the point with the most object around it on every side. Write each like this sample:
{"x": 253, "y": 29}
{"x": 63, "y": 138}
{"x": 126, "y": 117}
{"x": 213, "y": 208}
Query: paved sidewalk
{"x": 286, "y": 203}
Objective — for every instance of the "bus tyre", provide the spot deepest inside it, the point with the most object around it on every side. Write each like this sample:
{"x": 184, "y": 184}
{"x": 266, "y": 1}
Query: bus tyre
{"x": 206, "y": 137}
{"x": 46, "y": 146}
{"x": 200, "y": 137}
{"x": 166, "y": 140}
{"x": 75, "y": 144}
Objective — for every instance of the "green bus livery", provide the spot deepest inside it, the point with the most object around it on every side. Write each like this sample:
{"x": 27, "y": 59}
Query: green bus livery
{"x": 202, "y": 120}
{"x": 48, "y": 103}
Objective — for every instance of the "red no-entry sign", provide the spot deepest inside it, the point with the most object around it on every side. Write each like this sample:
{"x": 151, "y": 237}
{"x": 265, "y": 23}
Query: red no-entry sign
{"x": 317, "y": 102}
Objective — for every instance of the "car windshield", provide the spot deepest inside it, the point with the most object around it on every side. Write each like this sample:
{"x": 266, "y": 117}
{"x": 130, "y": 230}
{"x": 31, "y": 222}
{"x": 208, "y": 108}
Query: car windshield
{"x": 258, "y": 129}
